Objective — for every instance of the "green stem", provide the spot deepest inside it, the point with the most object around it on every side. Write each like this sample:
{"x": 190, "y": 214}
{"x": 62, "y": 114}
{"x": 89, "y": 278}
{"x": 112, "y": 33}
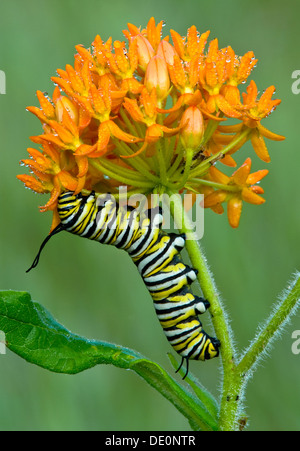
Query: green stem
{"x": 103, "y": 167}
{"x": 275, "y": 322}
{"x": 135, "y": 162}
{"x": 209, "y": 131}
{"x": 162, "y": 163}
{"x": 188, "y": 162}
{"x": 203, "y": 167}
{"x": 173, "y": 172}
{"x": 216, "y": 185}
{"x": 234, "y": 380}
{"x": 118, "y": 195}
{"x": 231, "y": 387}
{"x": 170, "y": 151}
{"x": 132, "y": 128}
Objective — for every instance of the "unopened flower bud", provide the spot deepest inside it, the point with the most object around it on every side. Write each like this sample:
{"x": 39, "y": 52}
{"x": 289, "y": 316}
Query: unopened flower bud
{"x": 65, "y": 104}
{"x": 166, "y": 51}
{"x": 145, "y": 51}
{"x": 157, "y": 77}
{"x": 193, "y": 128}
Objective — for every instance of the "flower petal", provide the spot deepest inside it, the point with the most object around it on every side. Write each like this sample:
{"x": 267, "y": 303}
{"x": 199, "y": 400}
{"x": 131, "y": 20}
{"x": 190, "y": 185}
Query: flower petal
{"x": 120, "y": 134}
{"x": 234, "y": 210}
{"x": 260, "y": 147}
{"x": 217, "y": 197}
{"x": 241, "y": 174}
{"x": 226, "y": 108}
{"x": 268, "y": 134}
{"x": 55, "y": 220}
{"x": 257, "y": 189}
{"x": 138, "y": 152}
{"x": 257, "y": 176}
{"x": 249, "y": 196}
{"x": 218, "y": 176}
{"x": 32, "y": 183}
{"x": 51, "y": 204}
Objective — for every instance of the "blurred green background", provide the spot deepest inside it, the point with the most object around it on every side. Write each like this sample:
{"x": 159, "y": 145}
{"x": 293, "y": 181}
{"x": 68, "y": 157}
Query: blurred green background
{"x": 76, "y": 279}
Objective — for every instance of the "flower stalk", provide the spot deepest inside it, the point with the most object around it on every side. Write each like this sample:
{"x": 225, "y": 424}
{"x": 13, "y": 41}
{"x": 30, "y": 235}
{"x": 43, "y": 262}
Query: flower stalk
{"x": 218, "y": 316}
{"x": 235, "y": 371}
{"x": 282, "y": 312}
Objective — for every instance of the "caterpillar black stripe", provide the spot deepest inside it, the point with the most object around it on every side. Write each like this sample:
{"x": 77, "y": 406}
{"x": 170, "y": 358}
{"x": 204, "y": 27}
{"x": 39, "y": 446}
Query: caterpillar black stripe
{"x": 157, "y": 257}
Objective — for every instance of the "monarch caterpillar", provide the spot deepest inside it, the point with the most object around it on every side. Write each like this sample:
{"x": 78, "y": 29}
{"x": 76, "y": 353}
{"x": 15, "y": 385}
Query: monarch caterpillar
{"x": 157, "y": 257}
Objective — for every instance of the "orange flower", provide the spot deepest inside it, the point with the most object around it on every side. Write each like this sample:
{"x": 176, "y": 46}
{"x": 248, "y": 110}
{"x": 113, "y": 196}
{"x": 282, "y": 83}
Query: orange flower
{"x": 241, "y": 67}
{"x": 124, "y": 65}
{"x": 214, "y": 72}
{"x": 183, "y": 65}
{"x": 254, "y": 111}
{"x": 241, "y": 186}
{"x": 153, "y": 32}
{"x": 192, "y": 46}
{"x": 145, "y": 114}
{"x": 50, "y": 175}
{"x": 258, "y": 109}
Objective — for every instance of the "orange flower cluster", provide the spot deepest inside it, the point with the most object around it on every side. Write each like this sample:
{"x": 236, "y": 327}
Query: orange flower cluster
{"x": 152, "y": 115}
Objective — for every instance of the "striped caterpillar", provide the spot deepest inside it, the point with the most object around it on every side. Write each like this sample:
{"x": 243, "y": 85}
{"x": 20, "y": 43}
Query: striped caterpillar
{"x": 157, "y": 257}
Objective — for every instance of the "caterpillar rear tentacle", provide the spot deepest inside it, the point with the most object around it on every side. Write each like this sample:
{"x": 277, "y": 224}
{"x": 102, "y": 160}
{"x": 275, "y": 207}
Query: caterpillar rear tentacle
{"x": 187, "y": 366}
{"x": 157, "y": 257}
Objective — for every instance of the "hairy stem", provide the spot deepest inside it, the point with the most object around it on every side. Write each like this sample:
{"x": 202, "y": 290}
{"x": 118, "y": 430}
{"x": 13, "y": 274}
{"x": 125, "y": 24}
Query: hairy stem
{"x": 283, "y": 311}
{"x": 234, "y": 373}
{"x": 231, "y": 385}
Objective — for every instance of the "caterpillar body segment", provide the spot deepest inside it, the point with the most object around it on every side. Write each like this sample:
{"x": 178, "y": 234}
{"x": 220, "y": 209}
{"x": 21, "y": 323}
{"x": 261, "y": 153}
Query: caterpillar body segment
{"x": 157, "y": 257}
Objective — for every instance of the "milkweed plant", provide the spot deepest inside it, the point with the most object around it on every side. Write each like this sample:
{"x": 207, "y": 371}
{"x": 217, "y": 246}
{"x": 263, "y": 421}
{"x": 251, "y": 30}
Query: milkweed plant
{"x": 154, "y": 115}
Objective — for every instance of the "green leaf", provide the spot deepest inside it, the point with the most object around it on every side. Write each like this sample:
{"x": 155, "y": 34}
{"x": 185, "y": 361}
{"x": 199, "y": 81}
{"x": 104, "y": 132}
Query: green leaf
{"x": 33, "y": 334}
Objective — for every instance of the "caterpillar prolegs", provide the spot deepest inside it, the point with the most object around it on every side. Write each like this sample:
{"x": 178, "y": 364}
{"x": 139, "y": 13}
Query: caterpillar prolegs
{"x": 157, "y": 257}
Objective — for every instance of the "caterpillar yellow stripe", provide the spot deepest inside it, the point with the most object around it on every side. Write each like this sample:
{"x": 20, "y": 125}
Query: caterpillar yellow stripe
{"x": 157, "y": 257}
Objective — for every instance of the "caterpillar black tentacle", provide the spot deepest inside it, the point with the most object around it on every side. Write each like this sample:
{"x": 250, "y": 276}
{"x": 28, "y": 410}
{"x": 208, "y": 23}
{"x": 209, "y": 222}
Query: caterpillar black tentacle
{"x": 180, "y": 366}
{"x": 57, "y": 229}
{"x": 157, "y": 257}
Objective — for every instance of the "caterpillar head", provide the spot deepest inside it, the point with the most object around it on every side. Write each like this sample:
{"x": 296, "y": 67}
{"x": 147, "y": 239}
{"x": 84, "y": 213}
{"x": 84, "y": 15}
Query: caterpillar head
{"x": 68, "y": 203}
